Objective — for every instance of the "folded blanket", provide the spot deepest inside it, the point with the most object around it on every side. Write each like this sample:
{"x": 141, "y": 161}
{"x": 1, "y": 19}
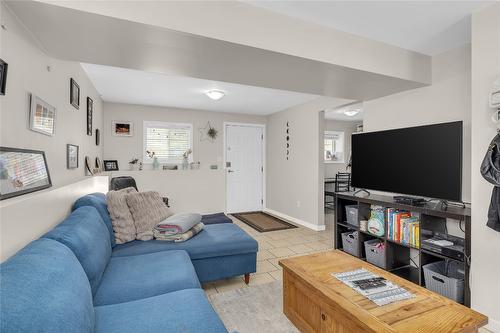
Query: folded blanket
{"x": 178, "y": 223}
{"x": 160, "y": 235}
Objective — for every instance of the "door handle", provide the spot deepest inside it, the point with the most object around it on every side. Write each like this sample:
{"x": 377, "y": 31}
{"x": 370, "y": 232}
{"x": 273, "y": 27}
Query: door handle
{"x": 229, "y": 171}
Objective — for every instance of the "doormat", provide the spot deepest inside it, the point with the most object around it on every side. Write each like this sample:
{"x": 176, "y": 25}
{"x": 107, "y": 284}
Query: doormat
{"x": 263, "y": 222}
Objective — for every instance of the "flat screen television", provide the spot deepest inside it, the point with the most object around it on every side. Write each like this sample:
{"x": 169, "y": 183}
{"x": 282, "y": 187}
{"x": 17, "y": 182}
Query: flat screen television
{"x": 421, "y": 161}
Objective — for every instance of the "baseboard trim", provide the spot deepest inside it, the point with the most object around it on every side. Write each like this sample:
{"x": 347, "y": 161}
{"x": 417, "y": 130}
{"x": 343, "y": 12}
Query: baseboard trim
{"x": 493, "y": 325}
{"x": 309, "y": 225}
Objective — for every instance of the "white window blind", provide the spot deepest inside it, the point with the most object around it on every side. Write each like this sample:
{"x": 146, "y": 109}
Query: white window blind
{"x": 168, "y": 140}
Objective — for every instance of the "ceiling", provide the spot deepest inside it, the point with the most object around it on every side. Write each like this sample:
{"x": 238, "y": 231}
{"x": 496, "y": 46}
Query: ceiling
{"x": 121, "y": 85}
{"x": 429, "y": 27}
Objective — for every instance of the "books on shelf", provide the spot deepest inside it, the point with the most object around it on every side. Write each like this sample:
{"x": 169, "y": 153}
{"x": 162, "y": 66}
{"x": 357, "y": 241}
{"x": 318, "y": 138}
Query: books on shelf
{"x": 403, "y": 228}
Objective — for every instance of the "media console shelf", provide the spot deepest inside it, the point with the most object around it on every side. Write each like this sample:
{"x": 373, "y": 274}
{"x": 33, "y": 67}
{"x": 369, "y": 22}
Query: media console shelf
{"x": 401, "y": 259}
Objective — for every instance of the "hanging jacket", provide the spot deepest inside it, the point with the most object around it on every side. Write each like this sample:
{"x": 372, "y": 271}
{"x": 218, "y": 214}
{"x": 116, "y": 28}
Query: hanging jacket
{"x": 490, "y": 169}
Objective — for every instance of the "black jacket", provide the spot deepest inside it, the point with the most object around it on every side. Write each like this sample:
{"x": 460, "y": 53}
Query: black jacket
{"x": 494, "y": 212}
{"x": 490, "y": 169}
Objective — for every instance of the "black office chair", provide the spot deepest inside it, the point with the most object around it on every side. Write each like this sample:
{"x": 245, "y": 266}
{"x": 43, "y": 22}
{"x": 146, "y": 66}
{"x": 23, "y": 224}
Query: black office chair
{"x": 118, "y": 183}
{"x": 343, "y": 182}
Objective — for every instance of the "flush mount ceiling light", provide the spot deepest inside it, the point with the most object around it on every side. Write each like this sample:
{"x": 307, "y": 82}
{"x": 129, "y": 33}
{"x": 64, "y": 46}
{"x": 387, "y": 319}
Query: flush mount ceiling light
{"x": 351, "y": 112}
{"x": 215, "y": 94}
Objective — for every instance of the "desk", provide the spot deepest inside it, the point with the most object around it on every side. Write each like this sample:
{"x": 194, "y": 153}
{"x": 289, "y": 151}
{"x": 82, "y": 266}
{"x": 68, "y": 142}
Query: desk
{"x": 315, "y": 301}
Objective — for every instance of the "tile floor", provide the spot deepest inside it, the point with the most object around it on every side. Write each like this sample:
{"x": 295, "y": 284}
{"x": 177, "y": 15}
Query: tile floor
{"x": 273, "y": 246}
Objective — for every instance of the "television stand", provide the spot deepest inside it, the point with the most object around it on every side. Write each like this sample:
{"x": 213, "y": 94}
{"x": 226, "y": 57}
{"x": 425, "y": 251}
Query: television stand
{"x": 360, "y": 191}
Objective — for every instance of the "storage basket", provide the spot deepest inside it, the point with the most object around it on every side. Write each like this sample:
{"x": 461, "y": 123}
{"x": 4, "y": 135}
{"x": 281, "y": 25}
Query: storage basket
{"x": 445, "y": 278}
{"x": 351, "y": 213}
{"x": 350, "y": 242}
{"x": 375, "y": 253}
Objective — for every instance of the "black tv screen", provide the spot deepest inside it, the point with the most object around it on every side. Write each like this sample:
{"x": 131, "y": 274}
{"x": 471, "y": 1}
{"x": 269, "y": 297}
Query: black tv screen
{"x": 422, "y": 161}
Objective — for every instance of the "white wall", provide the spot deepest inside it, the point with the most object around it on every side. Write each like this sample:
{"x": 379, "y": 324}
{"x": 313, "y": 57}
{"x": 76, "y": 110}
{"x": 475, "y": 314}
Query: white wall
{"x": 295, "y": 186}
{"x": 485, "y": 241}
{"x": 447, "y": 99}
{"x": 27, "y": 73}
{"x": 348, "y": 127}
{"x": 26, "y": 218}
{"x": 192, "y": 190}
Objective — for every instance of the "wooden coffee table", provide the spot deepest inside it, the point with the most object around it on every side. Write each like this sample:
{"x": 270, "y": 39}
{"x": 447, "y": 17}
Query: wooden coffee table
{"x": 315, "y": 301}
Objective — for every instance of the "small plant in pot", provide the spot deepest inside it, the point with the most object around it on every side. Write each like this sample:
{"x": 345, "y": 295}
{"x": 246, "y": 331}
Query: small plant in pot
{"x": 134, "y": 164}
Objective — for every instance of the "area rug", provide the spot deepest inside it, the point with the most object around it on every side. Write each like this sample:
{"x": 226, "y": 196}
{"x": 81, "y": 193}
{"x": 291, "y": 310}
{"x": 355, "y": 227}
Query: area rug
{"x": 263, "y": 222}
{"x": 254, "y": 309}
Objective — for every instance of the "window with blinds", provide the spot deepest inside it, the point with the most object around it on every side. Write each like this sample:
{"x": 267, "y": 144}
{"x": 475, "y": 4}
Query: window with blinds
{"x": 168, "y": 140}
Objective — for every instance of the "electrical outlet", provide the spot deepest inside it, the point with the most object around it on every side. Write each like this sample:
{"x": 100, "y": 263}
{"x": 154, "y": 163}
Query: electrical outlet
{"x": 298, "y": 203}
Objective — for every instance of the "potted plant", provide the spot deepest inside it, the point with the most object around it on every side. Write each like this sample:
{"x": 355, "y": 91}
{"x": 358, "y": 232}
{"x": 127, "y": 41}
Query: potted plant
{"x": 134, "y": 164}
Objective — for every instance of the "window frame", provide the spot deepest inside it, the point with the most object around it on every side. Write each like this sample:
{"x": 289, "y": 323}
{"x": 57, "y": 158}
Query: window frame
{"x": 164, "y": 124}
{"x": 328, "y": 135}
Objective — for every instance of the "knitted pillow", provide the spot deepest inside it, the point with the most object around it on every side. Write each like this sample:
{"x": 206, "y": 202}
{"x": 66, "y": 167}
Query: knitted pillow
{"x": 147, "y": 209}
{"x": 121, "y": 218}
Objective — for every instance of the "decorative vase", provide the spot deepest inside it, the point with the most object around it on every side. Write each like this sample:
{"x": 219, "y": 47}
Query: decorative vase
{"x": 156, "y": 164}
{"x": 185, "y": 163}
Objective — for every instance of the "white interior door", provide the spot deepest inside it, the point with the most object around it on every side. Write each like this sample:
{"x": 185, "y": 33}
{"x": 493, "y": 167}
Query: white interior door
{"x": 244, "y": 147}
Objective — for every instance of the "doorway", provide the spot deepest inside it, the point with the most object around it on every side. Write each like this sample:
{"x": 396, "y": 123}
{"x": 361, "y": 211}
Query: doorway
{"x": 244, "y": 152}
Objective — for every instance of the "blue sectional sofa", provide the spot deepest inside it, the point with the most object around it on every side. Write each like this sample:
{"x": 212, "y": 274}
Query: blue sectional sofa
{"x": 75, "y": 279}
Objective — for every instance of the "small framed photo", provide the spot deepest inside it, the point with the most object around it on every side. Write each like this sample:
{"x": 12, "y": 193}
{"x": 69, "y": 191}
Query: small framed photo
{"x": 71, "y": 156}
{"x": 110, "y": 165}
{"x": 90, "y": 110}
{"x": 42, "y": 116}
{"x": 3, "y": 76}
{"x": 74, "y": 94}
{"x": 22, "y": 171}
{"x": 122, "y": 128}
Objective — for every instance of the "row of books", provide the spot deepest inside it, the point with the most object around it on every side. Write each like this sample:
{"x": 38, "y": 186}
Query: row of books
{"x": 403, "y": 228}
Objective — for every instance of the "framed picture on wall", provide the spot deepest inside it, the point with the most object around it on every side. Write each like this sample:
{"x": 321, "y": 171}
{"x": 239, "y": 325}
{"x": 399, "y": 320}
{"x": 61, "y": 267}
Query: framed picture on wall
{"x": 42, "y": 116}
{"x": 3, "y": 76}
{"x": 122, "y": 128}
{"x": 22, "y": 171}
{"x": 71, "y": 156}
{"x": 90, "y": 110}
{"x": 110, "y": 165}
{"x": 97, "y": 137}
{"x": 74, "y": 93}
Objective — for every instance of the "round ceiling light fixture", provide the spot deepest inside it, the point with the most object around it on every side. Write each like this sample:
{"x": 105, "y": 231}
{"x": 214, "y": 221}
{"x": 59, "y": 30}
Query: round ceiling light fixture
{"x": 215, "y": 94}
{"x": 351, "y": 112}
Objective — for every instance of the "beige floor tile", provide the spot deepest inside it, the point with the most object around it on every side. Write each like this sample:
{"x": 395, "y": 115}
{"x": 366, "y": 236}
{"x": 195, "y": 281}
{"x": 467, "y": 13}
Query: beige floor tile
{"x": 256, "y": 279}
{"x": 484, "y": 330}
{"x": 281, "y": 252}
{"x": 318, "y": 246}
{"x": 264, "y": 254}
{"x": 229, "y": 284}
{"x": 280, "y": 243}
{"x": 301, "y": 248}
{"x": 277, "y": 275}
{"x": 274, "y": 262}
{"x": 328, "y": 242}
{"x": 265, "y": 266}
{"x": 276, "y": 235}
{"x": 264, "y": 245}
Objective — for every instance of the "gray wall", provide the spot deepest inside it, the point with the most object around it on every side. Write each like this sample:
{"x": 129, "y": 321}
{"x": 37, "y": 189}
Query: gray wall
{"x": 485, "y": 241}
{"x": 27, "y": 73}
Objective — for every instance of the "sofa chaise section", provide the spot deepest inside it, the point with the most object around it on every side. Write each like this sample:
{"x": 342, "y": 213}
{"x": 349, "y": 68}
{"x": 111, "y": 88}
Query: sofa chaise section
{"x": 219, "y": 251}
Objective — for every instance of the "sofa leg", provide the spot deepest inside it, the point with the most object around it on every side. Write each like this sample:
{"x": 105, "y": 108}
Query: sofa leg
{"x": 247, "y": 278}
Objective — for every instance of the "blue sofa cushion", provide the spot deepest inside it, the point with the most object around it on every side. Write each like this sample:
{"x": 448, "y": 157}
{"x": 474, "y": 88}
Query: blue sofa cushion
{"x": 213, "y": 241}
{"x": 98, "y": 201}
{"x": 134, "y": 277}
{"x": 186, "y": 311}
{"x": 44, "y": 289}
{"x": 86, "y": 235}
{"x": 215, "y": 219}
